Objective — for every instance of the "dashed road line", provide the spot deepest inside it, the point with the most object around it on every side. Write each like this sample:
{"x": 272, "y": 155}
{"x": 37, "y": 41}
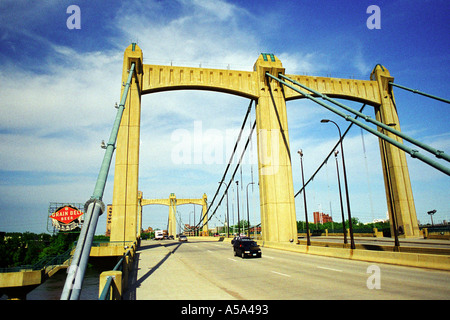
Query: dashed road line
{"x": 331, "y": 269}
{"x": 281, "y": 274}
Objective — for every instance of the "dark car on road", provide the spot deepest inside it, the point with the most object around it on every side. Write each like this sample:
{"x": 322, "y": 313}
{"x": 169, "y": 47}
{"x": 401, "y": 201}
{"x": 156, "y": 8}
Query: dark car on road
{"x": 246, "y": 247}
{"x": 239, "y": 237}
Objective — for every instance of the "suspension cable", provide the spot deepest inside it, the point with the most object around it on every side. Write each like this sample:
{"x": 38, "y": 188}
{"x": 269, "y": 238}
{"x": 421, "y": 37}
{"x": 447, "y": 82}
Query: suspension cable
{"x": 437, "y": 153}
{"x": 231, "y": 179}
{"x": 329, "y": 155}
{"x": 419, "y": 92}
{"x": 414, "y": 153}
{"x": 229, "y": 161}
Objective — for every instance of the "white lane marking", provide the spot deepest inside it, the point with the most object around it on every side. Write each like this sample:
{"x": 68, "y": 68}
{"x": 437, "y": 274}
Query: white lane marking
{"x": 331, "y": 269}
{"x": 281, "y": 274}
{"x": 266, "y": 256}
{"x": 231, "y": 259}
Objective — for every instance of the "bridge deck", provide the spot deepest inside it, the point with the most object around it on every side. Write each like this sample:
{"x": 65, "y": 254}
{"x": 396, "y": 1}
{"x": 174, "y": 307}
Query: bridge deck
{"x": 206, "y": 270}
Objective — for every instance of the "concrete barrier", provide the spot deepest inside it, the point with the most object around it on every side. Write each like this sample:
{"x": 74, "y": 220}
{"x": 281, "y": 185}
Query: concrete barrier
{"x": 19, "y": 279}
{"x": 116, "y": 289}
{"x": 431, "y": 261}
{"x": 120, "y": 277}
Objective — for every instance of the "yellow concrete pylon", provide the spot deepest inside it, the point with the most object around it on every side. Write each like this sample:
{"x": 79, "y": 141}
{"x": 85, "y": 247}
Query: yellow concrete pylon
{"x": 124, "y": 221}
{"x": 395, "y": 169}
{"x": 278, "y": 219}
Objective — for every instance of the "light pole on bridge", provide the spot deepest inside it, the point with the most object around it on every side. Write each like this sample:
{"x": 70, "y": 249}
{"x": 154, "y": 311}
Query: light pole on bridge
{"x": 344, "y": 230}
{"x": 228, "y": 217}
{"x": 352, "y": 241}
{"x": 308, "y": 241}
{"x": 248, "y": 216}
{"x": 239, "y": 225}
{"x": 431, "y": 213}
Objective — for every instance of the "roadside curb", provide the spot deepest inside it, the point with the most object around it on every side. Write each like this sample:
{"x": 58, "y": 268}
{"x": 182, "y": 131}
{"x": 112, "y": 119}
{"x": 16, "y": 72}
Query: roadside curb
{"x": 429, "y": 261}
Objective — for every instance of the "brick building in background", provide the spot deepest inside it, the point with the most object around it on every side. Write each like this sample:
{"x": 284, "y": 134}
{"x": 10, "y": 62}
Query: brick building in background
{"x": 320, "y": 217}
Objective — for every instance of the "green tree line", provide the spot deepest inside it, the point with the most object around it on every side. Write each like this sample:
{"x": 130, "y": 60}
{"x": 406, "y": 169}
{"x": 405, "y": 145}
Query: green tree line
{"x": 337, "y": 226}
{"x": 27, "y": 248}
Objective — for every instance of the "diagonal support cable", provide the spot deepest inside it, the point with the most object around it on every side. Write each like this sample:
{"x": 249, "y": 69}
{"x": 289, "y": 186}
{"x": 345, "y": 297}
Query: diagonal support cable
{"x": 419, "y": 92}
{"x": 230, "y": 161}
{"x": 414, "y": 153}
{"x": 438, "y": 153}
{"x": 94, "y": 208}
{"x": 232, "y": 177}
{"x": 329, "y": 155}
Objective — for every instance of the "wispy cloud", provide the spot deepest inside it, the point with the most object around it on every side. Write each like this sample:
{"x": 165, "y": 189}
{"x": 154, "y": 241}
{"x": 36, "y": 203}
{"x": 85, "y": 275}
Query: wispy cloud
{"x": 59, "y": 87}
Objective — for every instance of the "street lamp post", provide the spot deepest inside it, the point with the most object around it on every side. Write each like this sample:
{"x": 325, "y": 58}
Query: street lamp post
{"x": 228, "y": 217}
{"x": 190, "y": 225}
{"x": 195, "y": 228}
{"x": 239, "y": 225}
{"x": 344, "y": 230}
{"x": 308, "y": 241}
{"x": 248, "y": 216}
{"x": 352, "y": 241}
{"x": 431, "y": 213}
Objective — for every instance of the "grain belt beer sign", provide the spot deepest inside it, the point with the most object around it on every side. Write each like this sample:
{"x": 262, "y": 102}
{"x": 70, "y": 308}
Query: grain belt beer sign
{"x": 66, "y": 218}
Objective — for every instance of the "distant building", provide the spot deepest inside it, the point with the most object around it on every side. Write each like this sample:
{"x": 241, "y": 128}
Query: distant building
{"x": 320, "y": 217}
{"x": 149, "y": 230}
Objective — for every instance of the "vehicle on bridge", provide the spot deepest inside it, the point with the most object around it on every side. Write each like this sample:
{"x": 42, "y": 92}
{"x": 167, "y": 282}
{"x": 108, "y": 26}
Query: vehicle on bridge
{"x": 159, "y": 234}
{"x": 182, "y": 238}
{"x": 239, "y": 237}
{"x": 246, "y": 247}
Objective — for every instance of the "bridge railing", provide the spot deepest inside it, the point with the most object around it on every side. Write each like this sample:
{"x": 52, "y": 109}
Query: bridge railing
{"x": 113, "y": 283}
{"x": 43, "y": 263}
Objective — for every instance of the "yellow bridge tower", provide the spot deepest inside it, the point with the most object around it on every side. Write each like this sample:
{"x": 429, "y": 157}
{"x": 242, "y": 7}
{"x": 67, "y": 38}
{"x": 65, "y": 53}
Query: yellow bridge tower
{"x": 278, "y": 217}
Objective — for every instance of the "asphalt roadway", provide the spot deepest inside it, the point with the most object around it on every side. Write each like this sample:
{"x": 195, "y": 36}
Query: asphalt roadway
{"x": 206, "y": 270}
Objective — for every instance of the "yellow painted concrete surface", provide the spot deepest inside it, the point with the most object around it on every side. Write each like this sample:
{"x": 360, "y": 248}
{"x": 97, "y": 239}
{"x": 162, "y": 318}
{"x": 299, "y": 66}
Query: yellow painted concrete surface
{"x": 20, "y": 279}
{"x": 277, "y": 206}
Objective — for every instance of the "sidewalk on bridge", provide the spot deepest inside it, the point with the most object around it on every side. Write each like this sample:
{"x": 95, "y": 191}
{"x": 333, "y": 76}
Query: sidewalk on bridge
{"x": 148, "y": 281}
{"x": 419, "y": 241}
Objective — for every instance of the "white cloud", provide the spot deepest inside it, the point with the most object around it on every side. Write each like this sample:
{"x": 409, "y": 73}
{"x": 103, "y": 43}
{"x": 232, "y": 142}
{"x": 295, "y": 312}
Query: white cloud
{"x": 191, "y": 36}
{"x": 53, "y": 121}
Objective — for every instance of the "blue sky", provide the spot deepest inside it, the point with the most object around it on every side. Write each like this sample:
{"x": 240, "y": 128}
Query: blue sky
{"x": 59, "y": 87}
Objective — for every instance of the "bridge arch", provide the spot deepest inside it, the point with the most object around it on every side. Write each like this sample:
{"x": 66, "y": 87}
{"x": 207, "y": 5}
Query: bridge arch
{"x": 278, "y": 217}
{"x": 172, "y": 202}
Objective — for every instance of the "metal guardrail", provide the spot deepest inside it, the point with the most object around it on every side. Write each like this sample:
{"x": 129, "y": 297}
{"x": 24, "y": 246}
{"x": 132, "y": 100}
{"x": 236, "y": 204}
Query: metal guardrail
{"x": 43, "y": 263}
{"x": 105, "y": 294}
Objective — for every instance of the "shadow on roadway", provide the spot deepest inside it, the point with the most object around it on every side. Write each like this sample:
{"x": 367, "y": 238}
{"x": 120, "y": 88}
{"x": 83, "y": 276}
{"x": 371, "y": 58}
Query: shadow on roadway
{"x": 134, "y": 282}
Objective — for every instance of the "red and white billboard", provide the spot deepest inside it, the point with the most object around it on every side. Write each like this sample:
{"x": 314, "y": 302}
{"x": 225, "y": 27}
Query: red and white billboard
{"x": 65, "y": 218}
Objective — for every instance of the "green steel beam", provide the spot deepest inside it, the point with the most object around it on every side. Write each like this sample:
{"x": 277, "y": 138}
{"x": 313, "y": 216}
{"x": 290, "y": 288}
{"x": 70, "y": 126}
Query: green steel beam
{"x": 412, "y": 152}
{"x": 419, "y": 92}
{"x": 94, "y": 208}
{"x": 438, "y": 153}
{"x": 104, "y": 169}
